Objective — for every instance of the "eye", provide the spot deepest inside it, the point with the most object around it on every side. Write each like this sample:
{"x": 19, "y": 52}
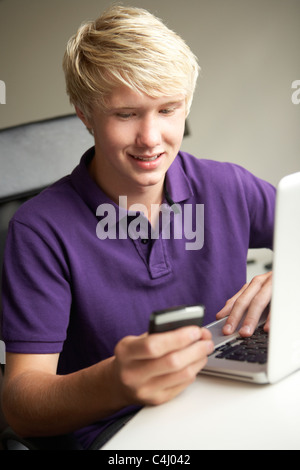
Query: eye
{"x": 166, "y": 110}
{"x": 124, "y": 115}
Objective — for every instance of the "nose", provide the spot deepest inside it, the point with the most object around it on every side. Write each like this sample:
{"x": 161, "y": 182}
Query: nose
{"x": 148, "y": 132}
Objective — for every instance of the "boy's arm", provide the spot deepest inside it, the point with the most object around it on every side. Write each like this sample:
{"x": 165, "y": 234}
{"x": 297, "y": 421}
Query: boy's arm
{"x": 148, "y": 369}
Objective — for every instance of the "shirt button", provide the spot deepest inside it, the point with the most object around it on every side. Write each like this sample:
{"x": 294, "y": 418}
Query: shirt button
{"x": 144, "y": 241}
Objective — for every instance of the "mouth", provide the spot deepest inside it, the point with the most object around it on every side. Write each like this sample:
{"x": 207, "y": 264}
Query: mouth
{"x": 146, "y": 158}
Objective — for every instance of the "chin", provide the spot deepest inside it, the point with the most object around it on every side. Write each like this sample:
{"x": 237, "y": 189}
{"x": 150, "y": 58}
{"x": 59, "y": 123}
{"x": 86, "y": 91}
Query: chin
{"x": 150, "y": 181}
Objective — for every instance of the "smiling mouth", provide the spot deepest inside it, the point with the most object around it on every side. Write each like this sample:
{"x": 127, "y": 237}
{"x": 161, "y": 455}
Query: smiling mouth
{"x": 145, "y": 158}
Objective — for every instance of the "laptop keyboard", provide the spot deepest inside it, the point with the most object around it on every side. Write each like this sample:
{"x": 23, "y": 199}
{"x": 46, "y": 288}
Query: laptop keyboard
{"x": 253, "y": 349}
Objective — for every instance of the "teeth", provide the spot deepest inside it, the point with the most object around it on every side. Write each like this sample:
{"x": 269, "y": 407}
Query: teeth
{"x": 145, "y": 159}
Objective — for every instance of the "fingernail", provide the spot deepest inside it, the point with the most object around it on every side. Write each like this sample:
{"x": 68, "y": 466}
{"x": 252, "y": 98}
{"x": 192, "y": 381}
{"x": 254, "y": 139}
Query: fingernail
{"x": 245, "y": 330}
{"x": 227, "y": 329}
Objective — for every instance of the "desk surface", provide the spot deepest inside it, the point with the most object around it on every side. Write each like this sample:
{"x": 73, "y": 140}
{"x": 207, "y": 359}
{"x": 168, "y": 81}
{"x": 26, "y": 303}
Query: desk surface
{"x": 219, "y": 414}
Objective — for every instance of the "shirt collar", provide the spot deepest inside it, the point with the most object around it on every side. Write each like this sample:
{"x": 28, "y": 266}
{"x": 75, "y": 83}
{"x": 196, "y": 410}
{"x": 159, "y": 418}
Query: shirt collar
{"x": 177, "y": 183}
{"x": 85, "y": 186}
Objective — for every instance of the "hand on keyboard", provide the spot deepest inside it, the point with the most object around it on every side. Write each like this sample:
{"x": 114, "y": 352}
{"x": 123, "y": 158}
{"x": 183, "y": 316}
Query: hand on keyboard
{"x": 252, "y": 299}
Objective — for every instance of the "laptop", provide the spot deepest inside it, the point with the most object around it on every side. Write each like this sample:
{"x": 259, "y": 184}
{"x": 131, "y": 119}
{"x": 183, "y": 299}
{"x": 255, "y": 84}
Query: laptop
{"x": 273, "y": 356}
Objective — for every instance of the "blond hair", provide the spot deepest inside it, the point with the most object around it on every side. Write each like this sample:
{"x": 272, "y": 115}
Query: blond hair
{"x": 127, "y": 46}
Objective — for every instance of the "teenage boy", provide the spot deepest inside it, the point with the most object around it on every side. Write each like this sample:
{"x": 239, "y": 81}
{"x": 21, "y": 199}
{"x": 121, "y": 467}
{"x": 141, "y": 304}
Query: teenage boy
{"x": 77, "y": 295}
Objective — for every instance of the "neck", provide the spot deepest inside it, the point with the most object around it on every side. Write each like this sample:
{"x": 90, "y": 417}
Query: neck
{"x": 150, "y": 200}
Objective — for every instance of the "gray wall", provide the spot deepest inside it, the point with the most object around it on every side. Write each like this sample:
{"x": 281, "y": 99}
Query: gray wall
{"x": 248, "y": 51}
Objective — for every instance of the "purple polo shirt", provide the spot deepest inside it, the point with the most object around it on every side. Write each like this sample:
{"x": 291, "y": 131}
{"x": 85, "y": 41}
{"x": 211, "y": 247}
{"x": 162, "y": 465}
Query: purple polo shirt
{"x": 67, "y": 291}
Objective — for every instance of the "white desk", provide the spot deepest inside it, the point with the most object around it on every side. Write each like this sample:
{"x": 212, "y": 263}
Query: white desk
{"x": 219, "y": 414}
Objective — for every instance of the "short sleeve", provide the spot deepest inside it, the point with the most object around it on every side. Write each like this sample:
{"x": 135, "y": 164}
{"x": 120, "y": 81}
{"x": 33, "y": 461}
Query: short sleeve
{"x": 260, "y": 197}
{"x": 35, "y": 293}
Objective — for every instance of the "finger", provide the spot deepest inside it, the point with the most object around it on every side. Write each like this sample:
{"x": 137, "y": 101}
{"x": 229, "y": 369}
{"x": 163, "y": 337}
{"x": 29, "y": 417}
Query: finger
{"x": 267, "y": 324}
{"x": 254, "y": 298}
{"x": 258, "y": 305}
{"x": 158, "y": 344}
{"x": 165, "y": 387}
{"x": 141, "y": 371}
{"x": 225, "y": 311}
{"x": 179, "y": 360}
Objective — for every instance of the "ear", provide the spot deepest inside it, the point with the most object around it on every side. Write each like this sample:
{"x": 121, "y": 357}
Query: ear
{"x": 83, "y": 117}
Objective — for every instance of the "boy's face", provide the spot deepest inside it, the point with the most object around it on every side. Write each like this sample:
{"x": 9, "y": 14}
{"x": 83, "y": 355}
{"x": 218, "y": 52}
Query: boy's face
{"x": 137, "y": 138}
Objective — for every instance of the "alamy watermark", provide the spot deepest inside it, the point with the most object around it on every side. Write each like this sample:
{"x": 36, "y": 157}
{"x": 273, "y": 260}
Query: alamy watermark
{"x": 188, "y": 222}
{"x": 296, "y": 93}
{"x": 2, "y": 352}
{"x": 2, "y": 92}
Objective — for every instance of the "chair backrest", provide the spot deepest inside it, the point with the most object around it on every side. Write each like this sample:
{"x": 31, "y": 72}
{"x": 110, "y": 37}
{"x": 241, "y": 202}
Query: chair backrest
{"x": 36, "y": 154}
{"x": 32, "y": 156}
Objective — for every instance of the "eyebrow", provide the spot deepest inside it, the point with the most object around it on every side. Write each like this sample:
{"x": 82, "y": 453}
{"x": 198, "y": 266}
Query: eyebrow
{"x": 167, "y": 104}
